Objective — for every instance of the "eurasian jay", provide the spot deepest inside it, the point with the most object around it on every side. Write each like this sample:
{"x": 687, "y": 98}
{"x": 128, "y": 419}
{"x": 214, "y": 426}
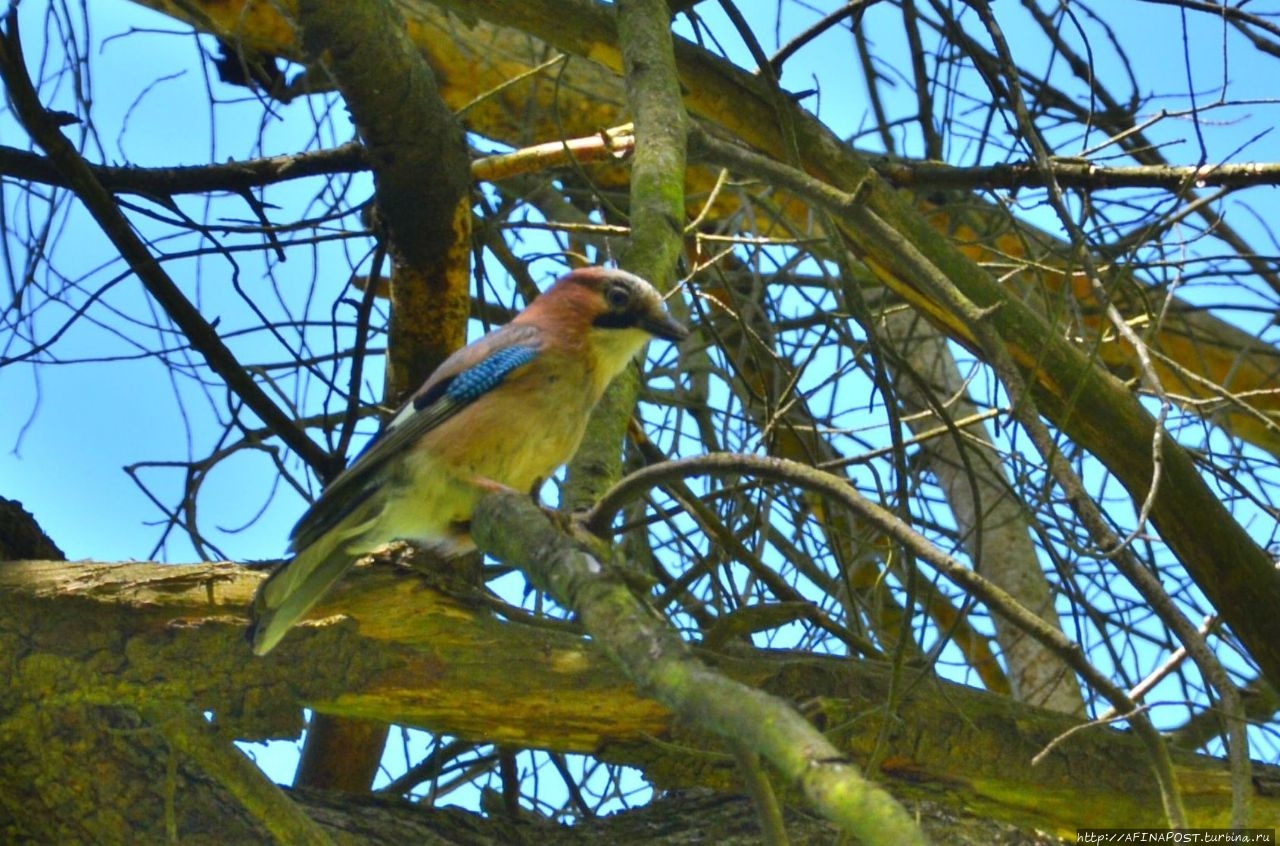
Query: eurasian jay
{"x": 505, "y": 410}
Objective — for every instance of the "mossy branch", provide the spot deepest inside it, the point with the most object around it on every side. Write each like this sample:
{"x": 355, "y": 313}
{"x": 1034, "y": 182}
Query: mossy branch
{"x": 652, "y": 654}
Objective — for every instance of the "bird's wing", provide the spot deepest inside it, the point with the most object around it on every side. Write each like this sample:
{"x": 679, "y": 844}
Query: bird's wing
{"x": 460, "y": 380}
{"x": 352, "y": 504}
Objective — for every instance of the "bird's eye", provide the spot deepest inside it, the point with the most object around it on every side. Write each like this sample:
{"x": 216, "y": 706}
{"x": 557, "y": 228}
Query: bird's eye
{"x": 617, "y": 296}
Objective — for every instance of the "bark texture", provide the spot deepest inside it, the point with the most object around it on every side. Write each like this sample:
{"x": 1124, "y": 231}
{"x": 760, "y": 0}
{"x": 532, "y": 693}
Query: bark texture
{"x": 93, "y": 652}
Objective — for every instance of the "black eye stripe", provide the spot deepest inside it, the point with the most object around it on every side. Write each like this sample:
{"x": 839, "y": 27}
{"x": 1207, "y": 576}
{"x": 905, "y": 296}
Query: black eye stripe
{"x": 616, "y": 320}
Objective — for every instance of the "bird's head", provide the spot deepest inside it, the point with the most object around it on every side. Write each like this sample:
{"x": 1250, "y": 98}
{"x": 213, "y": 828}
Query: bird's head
{"x": 613, "y": 311}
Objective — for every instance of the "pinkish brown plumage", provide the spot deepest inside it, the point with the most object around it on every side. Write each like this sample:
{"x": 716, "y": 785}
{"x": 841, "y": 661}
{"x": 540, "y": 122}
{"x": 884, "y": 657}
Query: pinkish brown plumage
{"x": 508, "y": 409}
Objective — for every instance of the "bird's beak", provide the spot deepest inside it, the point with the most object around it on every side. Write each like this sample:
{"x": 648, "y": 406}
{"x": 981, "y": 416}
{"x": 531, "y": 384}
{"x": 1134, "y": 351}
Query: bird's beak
{"x": 663, "y": 325}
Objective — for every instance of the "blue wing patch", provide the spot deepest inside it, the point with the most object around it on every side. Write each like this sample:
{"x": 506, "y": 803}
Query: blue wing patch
{"x": 358, "y": 486}
{"x": 476, "y": 381}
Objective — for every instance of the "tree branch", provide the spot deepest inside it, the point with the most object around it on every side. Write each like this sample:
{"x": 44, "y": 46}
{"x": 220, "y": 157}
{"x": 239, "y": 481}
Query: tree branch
{"x": 186, "y": 732}
{"x": 164, "y": 182}
{"x": 511, "y": 528}
{"x": 993, "y": 596}
{"x": 1074, "y": 391}
{"x": 386, "y": 646}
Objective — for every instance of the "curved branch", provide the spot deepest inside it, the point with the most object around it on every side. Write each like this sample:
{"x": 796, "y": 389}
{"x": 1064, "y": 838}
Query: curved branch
{"x": 511, "y": 528}
{"x": 1072, "y": 389}
{"x": 839, "y": 490}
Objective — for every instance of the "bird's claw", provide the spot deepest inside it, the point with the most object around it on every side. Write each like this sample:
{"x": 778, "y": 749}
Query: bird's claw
{"x": 561, "y": 520}
{"x": 490, "y": 486}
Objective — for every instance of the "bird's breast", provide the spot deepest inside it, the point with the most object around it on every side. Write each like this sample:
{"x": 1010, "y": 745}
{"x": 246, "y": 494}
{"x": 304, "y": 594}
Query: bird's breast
{"x": 519, "y": 433}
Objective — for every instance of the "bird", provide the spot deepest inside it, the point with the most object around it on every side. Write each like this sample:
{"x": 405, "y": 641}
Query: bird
{"x": 502, "y": 412}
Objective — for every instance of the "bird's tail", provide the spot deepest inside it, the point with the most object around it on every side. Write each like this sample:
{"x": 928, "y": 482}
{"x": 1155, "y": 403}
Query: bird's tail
{"x": 294, "y": 588}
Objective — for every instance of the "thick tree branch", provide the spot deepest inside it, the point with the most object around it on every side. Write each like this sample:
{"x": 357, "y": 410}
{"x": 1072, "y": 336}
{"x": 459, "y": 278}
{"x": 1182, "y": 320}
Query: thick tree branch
{"x": 387, "y": 647}
{"x": 415, "y": 144}
{"x": 421, "y": 171}
{"x": 187, "y": 733}
{"x": 656, "y": 210}
{"x": 353, "y": 157}
{"x": 422, "y": 180}
{"x": 658, "y": 166}
{"x": 994, "y": 523}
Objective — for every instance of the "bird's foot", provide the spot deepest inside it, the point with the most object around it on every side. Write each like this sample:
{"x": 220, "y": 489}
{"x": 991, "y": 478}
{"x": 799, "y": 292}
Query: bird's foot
{"x": 560, "y": 519}
{"x": 490, "y": 486}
